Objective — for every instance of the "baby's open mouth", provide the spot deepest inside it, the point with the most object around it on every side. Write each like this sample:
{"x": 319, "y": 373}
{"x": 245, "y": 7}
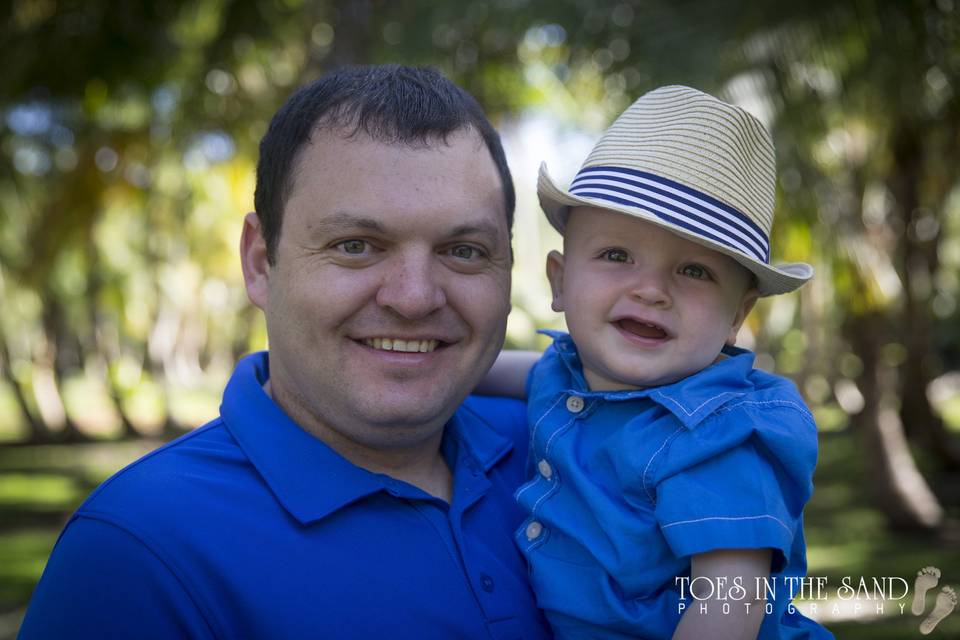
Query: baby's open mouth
{"x": 643, "y": 329}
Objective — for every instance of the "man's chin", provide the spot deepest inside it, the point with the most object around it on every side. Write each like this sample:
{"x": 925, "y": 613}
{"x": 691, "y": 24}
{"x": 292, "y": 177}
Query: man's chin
{"x": 403, "y": 412}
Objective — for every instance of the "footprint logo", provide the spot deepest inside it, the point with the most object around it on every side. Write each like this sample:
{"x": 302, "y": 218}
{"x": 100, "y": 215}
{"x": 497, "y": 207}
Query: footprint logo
{"x": 927, "y": 578}
{"x": 946, "y": 601}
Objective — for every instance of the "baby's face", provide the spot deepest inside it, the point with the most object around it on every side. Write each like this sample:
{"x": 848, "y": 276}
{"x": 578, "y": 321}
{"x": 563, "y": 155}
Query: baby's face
{"x": 644, "y": 306}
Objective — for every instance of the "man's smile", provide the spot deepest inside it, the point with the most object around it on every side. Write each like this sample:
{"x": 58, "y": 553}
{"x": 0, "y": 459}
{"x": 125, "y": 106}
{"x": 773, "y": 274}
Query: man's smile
{"x": 399, "y": 344}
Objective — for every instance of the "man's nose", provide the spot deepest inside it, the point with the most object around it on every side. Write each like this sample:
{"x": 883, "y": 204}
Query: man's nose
{"x": 411, "y": 286}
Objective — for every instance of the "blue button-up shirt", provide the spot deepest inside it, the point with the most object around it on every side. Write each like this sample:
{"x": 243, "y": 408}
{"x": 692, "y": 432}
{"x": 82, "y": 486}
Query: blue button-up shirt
{"x": 628, "y": 485}
{"x": 252, "y": 528}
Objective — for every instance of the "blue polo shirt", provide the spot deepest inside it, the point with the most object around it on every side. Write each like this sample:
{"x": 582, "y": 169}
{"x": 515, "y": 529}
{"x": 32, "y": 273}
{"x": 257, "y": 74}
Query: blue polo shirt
{"x": 249, "y": 527}
{"x": 628, "y": 485}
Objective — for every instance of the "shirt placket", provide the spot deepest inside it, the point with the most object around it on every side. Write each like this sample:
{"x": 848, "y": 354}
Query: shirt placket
{"x": 470, "y": 486}
{"x": 571, "y": 408}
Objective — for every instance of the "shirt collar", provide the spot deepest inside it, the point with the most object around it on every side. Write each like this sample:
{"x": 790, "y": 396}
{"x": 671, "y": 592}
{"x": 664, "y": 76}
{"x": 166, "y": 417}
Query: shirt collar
{"x": 483, "y": 444}
{"x": 691, "y": 399}
{"x": 308, "y": 478}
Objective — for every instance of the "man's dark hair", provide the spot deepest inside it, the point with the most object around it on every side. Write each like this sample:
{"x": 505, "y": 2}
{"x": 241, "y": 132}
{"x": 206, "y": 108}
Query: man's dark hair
{"x": 394, "y": 104}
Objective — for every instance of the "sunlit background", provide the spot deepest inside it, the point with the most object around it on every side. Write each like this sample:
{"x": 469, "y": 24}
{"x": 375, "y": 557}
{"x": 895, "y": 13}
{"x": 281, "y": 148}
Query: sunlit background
{"x": 128, "y": 141}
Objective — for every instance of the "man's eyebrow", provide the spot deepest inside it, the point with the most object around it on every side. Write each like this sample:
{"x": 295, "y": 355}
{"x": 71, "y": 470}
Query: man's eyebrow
{"x": 343, "y": 221}
{"x": 478, "y": 228}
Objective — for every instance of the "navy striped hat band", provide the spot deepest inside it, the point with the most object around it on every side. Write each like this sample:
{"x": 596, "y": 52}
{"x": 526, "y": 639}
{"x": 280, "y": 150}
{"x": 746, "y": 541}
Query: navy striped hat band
{"x": 676, "y": 204}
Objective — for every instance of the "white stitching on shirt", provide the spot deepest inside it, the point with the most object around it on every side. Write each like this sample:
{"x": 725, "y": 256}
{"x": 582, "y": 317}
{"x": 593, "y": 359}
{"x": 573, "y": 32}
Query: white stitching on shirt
{"x": 533, "y": 447}
{"x": 774, "y": 518}
{"x": 663, "y": 396}
{"x": 643, "y": 476}
{"x": 546, "y": 447}
{"x": 802, "y": 410}
{"x": 533, "y": 432}
{"x": 556, "y": 484}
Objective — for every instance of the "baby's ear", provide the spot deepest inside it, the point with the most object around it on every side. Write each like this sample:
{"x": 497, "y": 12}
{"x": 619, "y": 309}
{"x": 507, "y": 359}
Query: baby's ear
{"x": 555, "y": 276}
{"x": 746, "y": 305}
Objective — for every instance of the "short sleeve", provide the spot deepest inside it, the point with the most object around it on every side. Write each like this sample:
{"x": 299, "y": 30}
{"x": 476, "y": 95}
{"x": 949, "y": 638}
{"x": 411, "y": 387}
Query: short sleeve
{"x": 738, "y": 481}
{"x": 101, "y": 582}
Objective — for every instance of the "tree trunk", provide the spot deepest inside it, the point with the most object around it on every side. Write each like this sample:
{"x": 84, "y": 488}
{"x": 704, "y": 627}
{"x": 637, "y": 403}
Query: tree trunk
{"x": 54, "y": 328}
{"x": 105, "y": 351}
{"x": 899, "y": 489}
{"x": 353, "y": 34}
{"x": 917, "y": 260}
{"x": 37, "y": 429}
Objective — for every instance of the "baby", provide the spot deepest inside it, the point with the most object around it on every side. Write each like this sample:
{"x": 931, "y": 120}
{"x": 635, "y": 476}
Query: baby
{"x": 670, "y": 475}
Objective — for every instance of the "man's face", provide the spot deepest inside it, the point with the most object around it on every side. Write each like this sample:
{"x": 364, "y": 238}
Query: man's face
{"x": 390, "y": 292}
{"x": 644, "y": 306}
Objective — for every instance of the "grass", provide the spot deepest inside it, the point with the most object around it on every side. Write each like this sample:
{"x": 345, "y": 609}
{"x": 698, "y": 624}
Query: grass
{"x": 40, "y": 486}
{"x": 846, "y": 537}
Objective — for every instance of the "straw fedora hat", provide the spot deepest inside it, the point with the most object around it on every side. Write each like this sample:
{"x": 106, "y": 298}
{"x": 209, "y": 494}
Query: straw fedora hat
{"x": 692, "y": 164}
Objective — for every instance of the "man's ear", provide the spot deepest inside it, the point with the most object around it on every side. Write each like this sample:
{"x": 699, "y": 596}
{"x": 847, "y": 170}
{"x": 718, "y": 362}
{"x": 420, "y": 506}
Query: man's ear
{"x": 253, "y": 260}
{"x": 746, "y": 305}
{"x": 555, "y": 276}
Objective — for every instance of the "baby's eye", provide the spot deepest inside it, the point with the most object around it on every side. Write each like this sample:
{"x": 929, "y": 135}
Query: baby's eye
{"x": 353, "y": 247}
{"x": 695, "y": 271}
{"x": 615, "y": 255}
{"x": 466, "y": 252}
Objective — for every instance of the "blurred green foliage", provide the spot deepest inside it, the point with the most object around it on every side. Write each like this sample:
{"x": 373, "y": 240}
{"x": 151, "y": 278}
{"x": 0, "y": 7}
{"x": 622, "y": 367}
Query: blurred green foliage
{"x": 128, "y": 136}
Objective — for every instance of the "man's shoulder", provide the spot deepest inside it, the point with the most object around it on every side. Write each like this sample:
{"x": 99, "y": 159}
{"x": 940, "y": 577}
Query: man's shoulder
{"x": 178, "y": 477}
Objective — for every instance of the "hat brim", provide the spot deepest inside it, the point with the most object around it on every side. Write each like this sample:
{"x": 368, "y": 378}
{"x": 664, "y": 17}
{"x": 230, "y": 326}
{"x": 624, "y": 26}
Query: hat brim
{"x": 771, "y": 280}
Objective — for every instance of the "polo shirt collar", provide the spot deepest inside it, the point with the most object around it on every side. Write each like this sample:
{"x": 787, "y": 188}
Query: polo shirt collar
{"x": 483, "y": 444}
{"x": 308, "y": 478}
{"x": 691, "y": 399}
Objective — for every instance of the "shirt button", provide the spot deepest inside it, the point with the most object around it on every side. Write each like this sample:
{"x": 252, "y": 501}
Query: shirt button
{"x": 534, "y": 529}
{"x": 486, "y": 582}
{"x": 545, "y": 469}
{"x": 472, "y": 467}
{"x": 574, "y": 404}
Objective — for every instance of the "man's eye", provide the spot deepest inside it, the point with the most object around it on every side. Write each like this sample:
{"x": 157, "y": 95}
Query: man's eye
{"x": 695, "y": 271}
{"x": 615, "y": 255}
{"x": 353, "y": 247}
{"x": 465, "y": 252}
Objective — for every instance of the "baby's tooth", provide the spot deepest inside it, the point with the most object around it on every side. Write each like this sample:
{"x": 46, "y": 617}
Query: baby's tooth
{"x": 387, "y": 344}
{"x": 423, "y": 346}
{"x": 377, "y": 342}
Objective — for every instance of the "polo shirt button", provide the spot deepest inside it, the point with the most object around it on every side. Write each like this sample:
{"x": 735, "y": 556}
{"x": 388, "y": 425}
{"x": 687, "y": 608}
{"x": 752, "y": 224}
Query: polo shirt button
{"x": 545, "y": 469}
{"x": 486, "y": 582}
{"x": 574, "y": 404}
{"x": 534, "y": 529}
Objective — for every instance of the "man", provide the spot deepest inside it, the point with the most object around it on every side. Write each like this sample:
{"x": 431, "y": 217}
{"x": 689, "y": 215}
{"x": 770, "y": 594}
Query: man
{"x": 347, "y": 489}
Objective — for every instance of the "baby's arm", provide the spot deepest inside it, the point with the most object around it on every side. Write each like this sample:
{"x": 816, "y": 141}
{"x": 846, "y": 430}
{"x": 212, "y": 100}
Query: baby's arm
{"x": 508, "y": 375}
{"x": 748, "y": 564}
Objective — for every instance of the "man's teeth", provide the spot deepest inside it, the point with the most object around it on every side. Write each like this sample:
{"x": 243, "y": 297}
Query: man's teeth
{"x": 409, "y": 346}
